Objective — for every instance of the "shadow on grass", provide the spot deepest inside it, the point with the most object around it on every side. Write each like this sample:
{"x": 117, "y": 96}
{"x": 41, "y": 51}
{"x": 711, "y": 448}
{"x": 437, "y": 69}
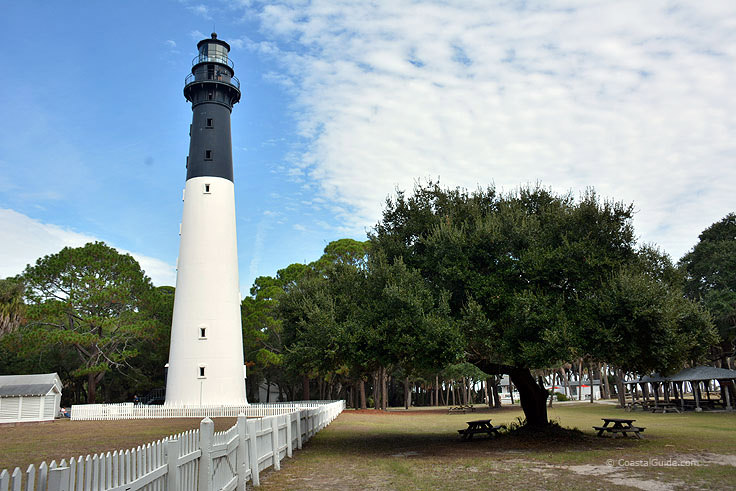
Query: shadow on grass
{"x": 388, "y": 443}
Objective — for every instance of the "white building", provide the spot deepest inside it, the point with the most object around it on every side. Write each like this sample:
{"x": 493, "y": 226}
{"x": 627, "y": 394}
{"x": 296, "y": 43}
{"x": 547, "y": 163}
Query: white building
{"x": 29, "y": 397}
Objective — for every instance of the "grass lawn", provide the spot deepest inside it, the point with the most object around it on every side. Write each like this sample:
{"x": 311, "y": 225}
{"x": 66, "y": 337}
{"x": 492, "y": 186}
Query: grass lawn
{"x": 32, "y": 443}
{"x": 420, "y": 450}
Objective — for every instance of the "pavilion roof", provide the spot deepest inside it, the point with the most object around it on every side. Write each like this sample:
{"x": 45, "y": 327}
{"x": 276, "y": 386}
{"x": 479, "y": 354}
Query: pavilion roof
{"x": 653, "y": 378}
{"x": 703, "y": 373}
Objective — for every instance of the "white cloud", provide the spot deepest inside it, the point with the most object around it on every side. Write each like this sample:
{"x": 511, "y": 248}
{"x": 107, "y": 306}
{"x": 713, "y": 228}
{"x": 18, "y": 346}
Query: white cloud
{"x": 170, "y": 43}
{"x": 633, "y": 98}
{"x": 201, "y": 10}
{"x": 26, "y": 239}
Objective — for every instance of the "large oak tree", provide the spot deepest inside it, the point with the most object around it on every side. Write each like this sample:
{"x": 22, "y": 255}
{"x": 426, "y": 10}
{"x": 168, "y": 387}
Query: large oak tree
{"x": 536, "y": 279}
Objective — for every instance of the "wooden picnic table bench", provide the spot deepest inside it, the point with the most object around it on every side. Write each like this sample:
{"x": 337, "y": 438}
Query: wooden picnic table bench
{"x": 480, "y": 426}
{"x": 620, "y": 426}
{"x": 461, "y": 409}
{"x": 663, "y": 407}
{"x": 644, "y": 405}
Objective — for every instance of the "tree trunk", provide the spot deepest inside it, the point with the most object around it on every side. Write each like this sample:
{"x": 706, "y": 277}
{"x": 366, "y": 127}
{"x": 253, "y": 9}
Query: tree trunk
{"x": 565, "y": 382}
{"x": 436, "y": 390}
{"x": 511, "y": 390}
{"x": 532, "y": 395}
{"x": 494, "y": 391}
{"x": 604, "y": 375}
{"x": 361, "y": 386}
{"x": 620, "y": 387}
{"x": 591, "y": 376}
{"x": 464, "y": 392}
{"x": 91, "y": 388}
{"x": 580, "y": 379}
{"x": 377, "y": 389}
{"x": 384, "y": 389}
{"x": 407, "y": 393}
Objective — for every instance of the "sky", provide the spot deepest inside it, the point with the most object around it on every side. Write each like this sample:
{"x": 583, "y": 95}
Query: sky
{"x": 346, "y": 101}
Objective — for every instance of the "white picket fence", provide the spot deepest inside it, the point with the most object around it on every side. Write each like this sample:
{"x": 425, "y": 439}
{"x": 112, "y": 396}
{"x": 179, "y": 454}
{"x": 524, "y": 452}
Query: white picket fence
{"x": 109, "y": 412}
{"x": 197, "y": 460}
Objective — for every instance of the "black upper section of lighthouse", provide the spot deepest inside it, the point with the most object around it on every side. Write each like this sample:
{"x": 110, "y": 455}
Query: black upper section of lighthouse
{"x": 213, "y": 89}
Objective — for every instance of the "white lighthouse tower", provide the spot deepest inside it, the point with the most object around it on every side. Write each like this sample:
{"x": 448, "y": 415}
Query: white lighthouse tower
{"x": 206, "y": 354}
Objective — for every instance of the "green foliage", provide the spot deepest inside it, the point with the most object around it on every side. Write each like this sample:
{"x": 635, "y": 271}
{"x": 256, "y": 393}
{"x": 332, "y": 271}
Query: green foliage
{"x": 561, "y": 397}
{"x": 91, "y": 300}
{"x": 349, "y": 314}
{"x": 648, "y": 321}
{"x": 346, "y": 251}
{"x": 414, "y": 328}
{"x": 12, "y": 308}
{"x": 710, "y": 269}
{"x": 535, "y": 279}
{"x": 508, "y": 282}
{"x": 457, "y": 371}
{"x": 516, "y": 265}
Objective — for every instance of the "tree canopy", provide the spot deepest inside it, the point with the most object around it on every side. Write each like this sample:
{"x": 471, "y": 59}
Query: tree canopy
{"x": 92, "y": 300}
{"x": 535, "y": 279}
{"x": 11, "y": 304}
{"x": 710, "y": 269}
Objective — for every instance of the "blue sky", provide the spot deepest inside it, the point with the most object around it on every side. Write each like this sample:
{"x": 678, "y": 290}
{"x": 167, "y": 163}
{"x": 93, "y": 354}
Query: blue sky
{"x": 345, "y": 101}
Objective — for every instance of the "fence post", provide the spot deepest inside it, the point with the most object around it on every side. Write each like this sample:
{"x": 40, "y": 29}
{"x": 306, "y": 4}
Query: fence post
{"x": 59, "y": 479}
{"x": 299, "y": 429}
{"x": 253, "y": 452}
{"x": 275, "y": 443}
{"x": 172, "y": 463}
{"x": 206, "y": 437}
{"x": 288, "y": 417}
{"x": 241, "y": 452}
{"x": 31, "y": 477}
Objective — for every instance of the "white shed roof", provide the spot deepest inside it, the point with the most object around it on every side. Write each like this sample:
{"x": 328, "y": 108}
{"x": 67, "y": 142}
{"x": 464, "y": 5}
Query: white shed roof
{"x": 29, "y": 385}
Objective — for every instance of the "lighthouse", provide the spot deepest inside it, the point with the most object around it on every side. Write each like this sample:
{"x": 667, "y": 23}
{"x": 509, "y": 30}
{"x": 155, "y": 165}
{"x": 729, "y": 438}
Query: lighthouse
{"x": 206, "y": 354}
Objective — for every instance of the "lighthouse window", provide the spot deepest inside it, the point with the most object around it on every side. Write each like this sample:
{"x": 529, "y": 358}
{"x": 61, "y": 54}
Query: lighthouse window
{"x": 209, "y": 123}
{"x": 207, "y": 188}
{"x": 208, "y": 154}
{"x": 201, "y": 372}
{"x": 202, "y": 333}
{"x": 209, "y": 96}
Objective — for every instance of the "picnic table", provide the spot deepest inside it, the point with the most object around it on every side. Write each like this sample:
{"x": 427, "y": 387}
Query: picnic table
{"x": 641, "y": 404}
{"x": 461, "y": 409}
{"x": 479, "y": 426}
{"x": 620, "y": 425}
{"x": 663, "y": 407}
